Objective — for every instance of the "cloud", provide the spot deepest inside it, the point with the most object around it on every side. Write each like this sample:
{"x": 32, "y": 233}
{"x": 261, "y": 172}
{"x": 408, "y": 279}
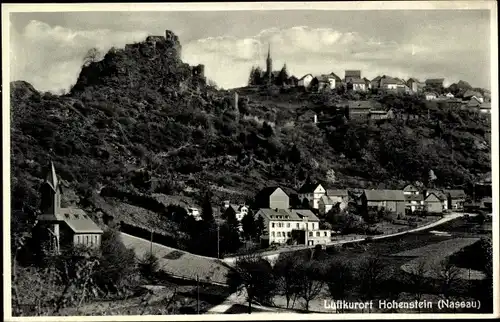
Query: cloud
{"x": 322, "y": 50}
{"x": 50, "y": 58}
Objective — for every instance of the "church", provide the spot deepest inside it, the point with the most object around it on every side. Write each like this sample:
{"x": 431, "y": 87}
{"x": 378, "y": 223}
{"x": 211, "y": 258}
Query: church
{"x": 63, "y": 228}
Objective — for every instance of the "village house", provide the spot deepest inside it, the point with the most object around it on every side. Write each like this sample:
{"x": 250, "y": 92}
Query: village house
{"x": 63, "y": 228}
{"x": 368, "y": 83}
{"x": 391, "y": 200}
{"x": 305, "y": 81}
{"x": 430, "y": 96}
{"x": 469, "y": 94}
{"x": 293, "y": 81}
{"x": 239, "y": 210}
{"x": 474, "y": 103}
{"x": 361, "y": 109}
{"x": 433, "y": 203}
{"x": 357, "y": 84}
{"x": 449, "y": 95}
{"x": 415, "y": 85}
{"x": 414, "y": 199}
{"x": 440, "y": 195}
{"x": 273, "y": 198}
{"x": 333, "y": 198}
{"x": 194, "y": 212}
{"x": 350, "y": 75}
{"x": 292, "y": 226}
{"x": 485, "y": 108}
{"x": 375, "y": 83}
{"x": 456, "y": 199}
{"x": 411, "y": 190}
{"x": 311, "y": 192}
{"x": 379, "y": 114}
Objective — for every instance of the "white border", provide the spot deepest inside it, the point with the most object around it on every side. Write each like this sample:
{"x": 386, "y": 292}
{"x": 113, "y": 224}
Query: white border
{"x": 368, "y": 5}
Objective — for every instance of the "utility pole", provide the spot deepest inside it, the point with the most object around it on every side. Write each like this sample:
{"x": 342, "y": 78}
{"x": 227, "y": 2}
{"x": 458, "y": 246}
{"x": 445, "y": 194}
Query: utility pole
{"x": 151, "y": 243}
{"x": 197, "y": 294}
{"x": 218, "y": 242}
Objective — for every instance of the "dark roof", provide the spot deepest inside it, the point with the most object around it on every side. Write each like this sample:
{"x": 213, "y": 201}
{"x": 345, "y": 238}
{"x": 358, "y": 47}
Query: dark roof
{"x": 293, "y": 78}
{"x": 486, "y": 105}
{"x": 308, "y": 187}
{"x": 76, "y": 219}
{"x": 470, "y": 93}
{"x": 305, "y": 76}
{"x": 435, "y": 194}
{"x": 410, "y": 187}
{"x": 413, "y": 80}
{"x": 382, "y": 195}
{"x": 439, "y": 193}
{"x": 414, "y": 197}
{"x": 357, "y": 81}
{"x": 336, "y": 192}
{"x": 287, "y": 214}
{"x": 455, "y": 193}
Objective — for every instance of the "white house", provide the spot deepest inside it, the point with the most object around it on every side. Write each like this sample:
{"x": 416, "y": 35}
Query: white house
{"x": 194, "y": 212}
{"x": 358, "y": 84}
{"x": 430, "y": 96}
{"x": 305, "y": 81}
{"x": 450, "y": 95}
{"x": 280, "y": 225}
{"x": 312, "y": 192}
{"x": 411, "y": 190}
{"x": 331, "y": 199}
{"x": 439, "y": 194}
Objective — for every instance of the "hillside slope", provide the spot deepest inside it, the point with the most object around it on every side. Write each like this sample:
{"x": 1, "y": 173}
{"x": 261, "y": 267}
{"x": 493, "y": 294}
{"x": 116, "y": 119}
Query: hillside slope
{"x": 141, "y": 120}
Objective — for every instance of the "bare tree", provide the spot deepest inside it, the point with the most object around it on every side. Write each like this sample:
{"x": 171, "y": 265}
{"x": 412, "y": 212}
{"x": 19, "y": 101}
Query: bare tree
{"x": 310, "y": 281}
{"x": 285, "y": 274}
{"x": 253, "y": 274}
{"x": 340, "y": 279}
{"x": 448, "y": 278}
{"x": 371, "y": 274}
{"x": 92, "y": 56}
{"x": 418, "y": 280}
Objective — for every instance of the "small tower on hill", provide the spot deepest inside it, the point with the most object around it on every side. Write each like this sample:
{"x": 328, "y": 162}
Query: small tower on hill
{"x": 269, "y": 65}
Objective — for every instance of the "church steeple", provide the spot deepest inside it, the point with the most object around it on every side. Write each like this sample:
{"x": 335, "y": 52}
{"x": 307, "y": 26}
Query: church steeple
{"x": 269, "y": 64}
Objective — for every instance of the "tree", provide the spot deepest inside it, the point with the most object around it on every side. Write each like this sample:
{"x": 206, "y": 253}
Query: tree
{"x": 255, "y": 77}
{"x": 285, "y": 275}
{"x": 230, "y": 233}
{"x": 117, "y": 263}
{"x": 148, "y": 265}
{"x": 259, "y": 227}
{"x": 92, "y": 56}
{"x": 310, "y": 280}
{"x": 207, "y": 212}
{"x": 417, "y": 279}
{"x": 432, "y": 177}
{"x": 370, "y": 274}
{"x": 282, "y": 76}
{"x": 330, "y": 176}
{"x": 249, "y": 225}
{"x": 253, "y": 275}
{"x": 448, "y": 277}
{"x": 340, "y": 279}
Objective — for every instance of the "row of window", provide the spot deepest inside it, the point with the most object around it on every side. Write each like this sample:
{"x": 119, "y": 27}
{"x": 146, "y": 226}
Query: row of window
{"x": 318, "y": 234}
{"x": 87, "y": 240}
{"x": 289, "y": 234}
{"x": 288, "y": 225}
{"x": 281, "y": 234}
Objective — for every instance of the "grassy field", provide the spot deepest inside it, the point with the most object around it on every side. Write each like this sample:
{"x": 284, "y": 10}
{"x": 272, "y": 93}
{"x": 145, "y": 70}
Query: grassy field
{"x": 179, "y": 263}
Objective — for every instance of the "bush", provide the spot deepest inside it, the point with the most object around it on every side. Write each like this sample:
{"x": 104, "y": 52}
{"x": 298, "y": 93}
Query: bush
{"x": 148, "y": 266}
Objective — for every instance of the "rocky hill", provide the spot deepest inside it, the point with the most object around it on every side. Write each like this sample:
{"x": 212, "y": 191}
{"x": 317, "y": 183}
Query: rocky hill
{"x": 142, "y": 121}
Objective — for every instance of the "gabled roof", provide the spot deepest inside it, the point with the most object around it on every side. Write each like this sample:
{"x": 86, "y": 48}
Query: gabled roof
{"x": 486, "y": 105}
{"x": 328, "y": 200}
{"x": 305, "y": 76}
{"x": 76, "y": 219}
{"x": 410, "y": 188}
{"x": 435, "y": 195}
{"x": 383, "y": 195}
{"x": 439, "y": 193}
{"x": 308, "y": 187}
{"x": 412, "y": 79}
{"x": 337, "y": 192}
{"x": 262, "y": 197}
{"x": 287, "y": 214}
{"x": 455, "y": 193}
{"x": 293, "y": 78}
{"x": 332, "y": 74}
{"x": 474, "y": 102}
{"x": 357, "y": 81}
{"x": 470, "y": 93}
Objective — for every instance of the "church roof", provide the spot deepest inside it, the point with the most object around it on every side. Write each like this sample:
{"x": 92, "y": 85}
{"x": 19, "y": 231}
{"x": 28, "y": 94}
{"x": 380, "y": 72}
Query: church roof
{"x": 51, "y": 178}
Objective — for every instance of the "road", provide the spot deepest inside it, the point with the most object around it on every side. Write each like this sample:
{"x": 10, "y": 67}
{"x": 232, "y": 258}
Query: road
{"x": 273, "y": 255}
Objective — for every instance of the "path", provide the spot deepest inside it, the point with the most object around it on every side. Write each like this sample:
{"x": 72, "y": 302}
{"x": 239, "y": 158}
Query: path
{"x": 179, "y": 263}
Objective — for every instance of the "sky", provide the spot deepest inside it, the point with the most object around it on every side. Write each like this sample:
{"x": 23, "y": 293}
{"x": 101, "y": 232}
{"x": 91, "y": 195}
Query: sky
{"x": 47, "y": 48}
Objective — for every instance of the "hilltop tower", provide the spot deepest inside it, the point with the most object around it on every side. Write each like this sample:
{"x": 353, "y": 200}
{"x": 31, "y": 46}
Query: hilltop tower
{"x": 269, "y": 65}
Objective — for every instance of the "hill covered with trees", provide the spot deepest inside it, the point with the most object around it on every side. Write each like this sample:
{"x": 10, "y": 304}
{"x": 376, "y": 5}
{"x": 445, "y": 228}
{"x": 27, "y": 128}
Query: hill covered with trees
{"x": 142, "y": 121}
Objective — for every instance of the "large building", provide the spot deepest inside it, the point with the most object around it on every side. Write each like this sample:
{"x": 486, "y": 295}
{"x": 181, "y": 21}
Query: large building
{"x": 63, "y": 228}
{"x": 390, "y": 200}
